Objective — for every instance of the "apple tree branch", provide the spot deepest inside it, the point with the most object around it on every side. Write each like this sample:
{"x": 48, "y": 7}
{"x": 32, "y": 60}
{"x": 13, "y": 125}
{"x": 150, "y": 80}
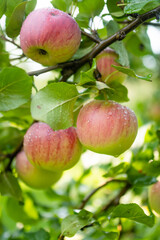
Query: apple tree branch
{"x": 69, "y": 68}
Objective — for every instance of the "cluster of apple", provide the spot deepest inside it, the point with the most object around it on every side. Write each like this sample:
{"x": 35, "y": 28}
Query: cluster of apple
{"x": 50, "y": 36}
{"x": 102, "y": 126}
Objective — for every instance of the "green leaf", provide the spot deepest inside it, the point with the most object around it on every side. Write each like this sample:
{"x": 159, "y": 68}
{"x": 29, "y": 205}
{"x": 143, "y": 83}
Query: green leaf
{"x": 73, "y": 223}
{"x": 88, "y": 76}
{"x": 15, "y": 88}
{"x": 140, "y": 6}
{"x": 139, "y": 43}
{"x": 111, "y": 236}
{"x": 77, "y": 75}
{"x": 54, "y": 105}
{"x": 138, "y": 179}
{"x": 9, "y": 186}
{"x": 102, "y": 85}
{"x": 4, "y": 55}
{"x": 41, "y": 234}
{"x": 117, "y": 92}
{"x": 11, "y": 5}
{"x": 102, "y": 33}
{"x": 118, "y": 46}
{"x": 3, "y": 5}
{"x": 114, "y": 10}
{"x": 85, "y": 47}
{"x": 63, "y": 5}
{"x": 20, "y": 116}
{"x": 152, "y": 168}
{"x": 117, "y": 170}
{"x": 90, "y": 8}
{"x": 131, "y": 73}
{"x": 4, "y": 59}
{"x": 16, "y": 211}
{"x": 133, "y": 212}
{"x": 82, "y": 21}
{"x": 15, "y": 22}
{"x": 10, "y": 139}
{"x": 30, "y": 6}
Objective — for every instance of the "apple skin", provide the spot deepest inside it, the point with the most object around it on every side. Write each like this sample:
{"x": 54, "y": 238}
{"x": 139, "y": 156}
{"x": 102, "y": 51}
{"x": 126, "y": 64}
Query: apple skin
{"x": 154, "y": 197}
{"x": 49, "y": 36}
{"x": 34, "y": 177}
{"x": 106, "y": 127}
{"x": 52, "y": 150}
{"x": 104, "y": 60}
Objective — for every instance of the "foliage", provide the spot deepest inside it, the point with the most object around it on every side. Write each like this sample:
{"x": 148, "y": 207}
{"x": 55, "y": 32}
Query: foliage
{"x": 102, "y": 200}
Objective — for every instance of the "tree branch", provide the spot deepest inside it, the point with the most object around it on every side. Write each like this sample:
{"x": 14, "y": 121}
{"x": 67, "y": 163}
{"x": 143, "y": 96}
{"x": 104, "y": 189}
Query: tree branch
{"x": 87, "y": 198}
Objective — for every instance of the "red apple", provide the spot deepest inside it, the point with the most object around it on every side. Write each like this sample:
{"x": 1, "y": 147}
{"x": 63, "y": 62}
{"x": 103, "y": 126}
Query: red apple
{"x": 106, "y": 127}
{"x": 154, "y": 197}
{"x": 104, "y": 60}
{"x": 49, "y": 36}
{"x": 52, "y": 150}
{"x": 34, "y": 177}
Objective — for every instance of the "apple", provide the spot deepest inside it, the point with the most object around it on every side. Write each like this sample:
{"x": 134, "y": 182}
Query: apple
{"x": 104, "y": 60}
{"x": 154, "y": 112}
{"x": 49, "y": 36}
{"x": 154, "y": 197}
{"x": 106, "y": 127}
{"x": 52, "y": 150}
{"x": 34, "y": 177}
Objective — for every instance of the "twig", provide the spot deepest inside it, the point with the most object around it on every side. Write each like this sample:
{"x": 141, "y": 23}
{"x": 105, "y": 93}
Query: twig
{"x": 115, "y": 201}
{"x": 152, "y": 24}
{"x": 47, "y": 69}
{"x": 18, "y": 58}
{"x": 12, "y": 156}
{"x": 9, "y": 40}
{"x": 61, "y": 237}
{"x": 91, "y": 36}
{"x": 145, "y": 23}
{"x": 69, "y": 68}
{"x": 87, "y": 198}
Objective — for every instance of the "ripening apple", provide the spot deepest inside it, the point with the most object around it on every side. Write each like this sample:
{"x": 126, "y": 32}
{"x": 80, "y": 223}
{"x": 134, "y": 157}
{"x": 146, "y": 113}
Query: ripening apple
{"x": 52, "y": 150}
{"x": 49, "y": 36}
{"x": 34, "y": 177}
{"x": 104, "y": 60}
{"x": 106, "y": 127}
{"x": 154, "y": 197}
